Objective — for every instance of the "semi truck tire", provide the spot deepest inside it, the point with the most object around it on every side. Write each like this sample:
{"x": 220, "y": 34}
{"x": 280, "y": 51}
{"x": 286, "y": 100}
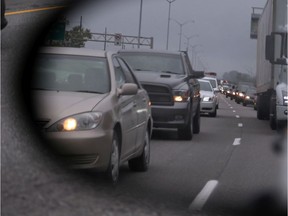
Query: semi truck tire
{"x": 263, "y": 107}
{"x": 272, "y": 113}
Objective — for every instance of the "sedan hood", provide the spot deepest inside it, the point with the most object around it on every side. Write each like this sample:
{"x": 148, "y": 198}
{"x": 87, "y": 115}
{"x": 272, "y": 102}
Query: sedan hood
{"x": 52, "y": 105}
{"x": 160, "y": 78}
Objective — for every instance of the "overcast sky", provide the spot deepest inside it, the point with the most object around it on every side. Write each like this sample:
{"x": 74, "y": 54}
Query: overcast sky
{"x": 222, "y": 26}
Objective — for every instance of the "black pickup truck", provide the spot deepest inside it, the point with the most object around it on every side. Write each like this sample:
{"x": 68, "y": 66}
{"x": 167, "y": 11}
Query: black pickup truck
{"x": 172, "y": 86}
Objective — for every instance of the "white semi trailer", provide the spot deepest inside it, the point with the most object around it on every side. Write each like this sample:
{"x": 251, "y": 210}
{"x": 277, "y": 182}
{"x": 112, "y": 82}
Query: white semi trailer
{"x": 271, "y": 71}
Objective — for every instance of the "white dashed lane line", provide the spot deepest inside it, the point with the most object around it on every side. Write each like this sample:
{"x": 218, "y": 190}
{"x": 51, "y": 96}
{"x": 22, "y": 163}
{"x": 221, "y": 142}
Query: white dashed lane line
{"x": 237, "y": 141}
{"x": 200, "y": 200}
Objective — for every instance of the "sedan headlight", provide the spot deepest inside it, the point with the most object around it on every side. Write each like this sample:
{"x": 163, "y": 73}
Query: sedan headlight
{"x": 207, "y": 99}
{"x": 79, "y": 122}
{"x": 241, "y": 94}
{"x": 247, "y": 97}
{"x": 181, "y": 95}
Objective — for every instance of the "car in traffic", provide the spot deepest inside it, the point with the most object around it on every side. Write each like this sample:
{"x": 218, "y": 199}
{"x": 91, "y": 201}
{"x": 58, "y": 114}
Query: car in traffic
{"x": 249, "y": 96}
{"x": 173, "y": 88}
{"x": 240, "y": 91}
{"x": 214, "y": 84}
{"x": 208, "y": 98}
{"x": 91, "y": 109}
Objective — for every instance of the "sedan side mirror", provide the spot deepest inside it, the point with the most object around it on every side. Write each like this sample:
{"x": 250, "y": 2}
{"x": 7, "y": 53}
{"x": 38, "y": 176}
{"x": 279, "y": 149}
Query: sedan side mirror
{"x": 128, "y": 89}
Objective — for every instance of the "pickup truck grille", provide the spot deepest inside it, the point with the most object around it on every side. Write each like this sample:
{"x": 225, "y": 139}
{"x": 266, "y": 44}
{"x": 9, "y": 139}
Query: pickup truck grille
{"x": 159, "y": 94}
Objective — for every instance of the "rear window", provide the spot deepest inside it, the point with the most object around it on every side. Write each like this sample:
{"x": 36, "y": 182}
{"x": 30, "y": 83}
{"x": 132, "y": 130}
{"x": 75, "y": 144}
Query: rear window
{"x": 213, "y": 82}
{"x": 205, "y": 86}
{"x": 71, "y": 73}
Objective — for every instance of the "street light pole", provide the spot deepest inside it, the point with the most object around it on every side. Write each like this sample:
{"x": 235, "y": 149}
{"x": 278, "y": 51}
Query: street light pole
{"x": 169, "y": 1}
{"x": 188, "y": 40}
{"x": 140, "y": 22}
{"x": 194, "y": 53}
{"x": 181, "y": 25}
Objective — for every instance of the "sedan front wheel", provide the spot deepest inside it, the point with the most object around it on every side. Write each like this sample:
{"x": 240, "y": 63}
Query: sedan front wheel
{"x": 113, "y": 168}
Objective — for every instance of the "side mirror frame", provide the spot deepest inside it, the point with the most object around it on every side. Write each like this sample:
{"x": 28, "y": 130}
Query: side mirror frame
{"x": 196, "y": 75}
{"x": 269, "y": 48}
{"x": 128, "y": 89}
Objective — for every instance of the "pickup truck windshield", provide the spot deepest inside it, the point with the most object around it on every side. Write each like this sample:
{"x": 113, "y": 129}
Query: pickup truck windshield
{"x": 157, "y": 62}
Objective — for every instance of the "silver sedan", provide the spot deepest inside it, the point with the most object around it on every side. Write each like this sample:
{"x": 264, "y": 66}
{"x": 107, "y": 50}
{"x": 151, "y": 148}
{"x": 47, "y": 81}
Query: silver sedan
{"x": 208, "y": 102}
{"x": 91, "y": 109}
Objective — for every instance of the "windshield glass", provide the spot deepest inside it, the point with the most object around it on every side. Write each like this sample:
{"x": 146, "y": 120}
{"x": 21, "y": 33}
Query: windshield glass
{"x": 71, "y": 73}
{"x": 213, "y": 82}
{"x": 158, "y": 62}
{"x": 205, "y": 86}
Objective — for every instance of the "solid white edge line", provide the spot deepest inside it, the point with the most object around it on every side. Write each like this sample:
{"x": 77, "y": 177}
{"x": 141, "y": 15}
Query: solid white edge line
{"x": 200, "y": 200}
{"x": 237, "y": 141}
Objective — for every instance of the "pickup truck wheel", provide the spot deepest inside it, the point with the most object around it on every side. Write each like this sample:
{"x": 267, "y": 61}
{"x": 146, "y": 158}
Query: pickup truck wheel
{"x": 186, "y": 132}
{"x": 113, "y": 168}
{"x": 141, "y": 163}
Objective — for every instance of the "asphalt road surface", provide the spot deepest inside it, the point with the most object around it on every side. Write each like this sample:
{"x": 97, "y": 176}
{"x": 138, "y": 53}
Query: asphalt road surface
{"x": 227, "y": 169}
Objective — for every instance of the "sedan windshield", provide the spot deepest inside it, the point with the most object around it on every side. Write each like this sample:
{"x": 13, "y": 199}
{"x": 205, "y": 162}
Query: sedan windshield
{"x": 71, "y": 73}
{"x": 165, "y": 63}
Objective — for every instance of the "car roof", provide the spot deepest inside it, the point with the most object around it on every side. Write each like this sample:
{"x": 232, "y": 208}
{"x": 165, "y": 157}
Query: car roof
{"x": 76, "y": 51}
{"x": 211, "y": 78}
{"x": 203, "y": 80}
{"x": 149, "y": 51}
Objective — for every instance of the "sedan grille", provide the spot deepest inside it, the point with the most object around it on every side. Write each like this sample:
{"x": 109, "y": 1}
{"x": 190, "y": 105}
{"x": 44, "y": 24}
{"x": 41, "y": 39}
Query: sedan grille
{"x": 159, "y": 94}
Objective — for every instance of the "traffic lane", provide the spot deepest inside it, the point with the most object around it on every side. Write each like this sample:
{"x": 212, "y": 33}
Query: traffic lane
{"x": 32, "y": 184}
{"x": 180, "y": 169}
{"x": 254, "y": 172}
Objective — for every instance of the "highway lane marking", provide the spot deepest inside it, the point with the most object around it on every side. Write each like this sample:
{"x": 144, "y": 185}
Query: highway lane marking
{"x": 34, "y": 10}
{"x": 237, "y": 116}
{"x": 234, "y": 110}
{"x": 240, "y": 124}
{"x": 237, "y": 141}
{"x": 200, "y": 200}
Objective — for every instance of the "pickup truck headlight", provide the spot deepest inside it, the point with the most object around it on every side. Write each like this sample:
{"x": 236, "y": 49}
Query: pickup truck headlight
{"x": 181, "y": 95}
{"x": 79, "y": 122}
{"x": 285, "y": 97}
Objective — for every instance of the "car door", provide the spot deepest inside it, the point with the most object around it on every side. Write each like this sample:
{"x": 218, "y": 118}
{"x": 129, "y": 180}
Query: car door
{"x": 141, "y": 103}
{"x": 127, "y": 112}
